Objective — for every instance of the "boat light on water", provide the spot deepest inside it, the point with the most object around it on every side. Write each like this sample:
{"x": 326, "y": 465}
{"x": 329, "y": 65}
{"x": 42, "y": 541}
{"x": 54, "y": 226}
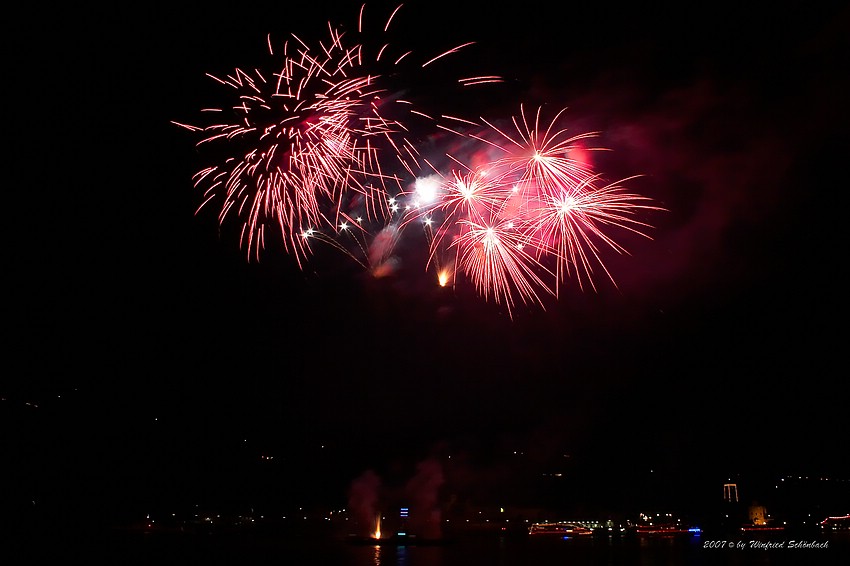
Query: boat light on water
{"x": 560, "y": 529}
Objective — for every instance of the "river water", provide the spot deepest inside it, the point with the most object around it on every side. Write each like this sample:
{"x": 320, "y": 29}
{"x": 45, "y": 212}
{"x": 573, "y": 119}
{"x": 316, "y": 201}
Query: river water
{"x": 246, "y": 549}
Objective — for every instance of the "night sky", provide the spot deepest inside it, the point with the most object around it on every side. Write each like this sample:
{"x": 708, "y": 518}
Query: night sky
{"x": 148, "y": 362}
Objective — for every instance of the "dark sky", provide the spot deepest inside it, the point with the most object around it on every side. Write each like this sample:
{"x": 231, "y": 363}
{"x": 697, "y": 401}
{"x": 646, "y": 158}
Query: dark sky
{"x": 156, "y": 352}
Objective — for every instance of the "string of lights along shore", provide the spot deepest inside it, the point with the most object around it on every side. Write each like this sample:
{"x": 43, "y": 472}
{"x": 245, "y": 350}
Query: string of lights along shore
{"x": 325, "y": 147}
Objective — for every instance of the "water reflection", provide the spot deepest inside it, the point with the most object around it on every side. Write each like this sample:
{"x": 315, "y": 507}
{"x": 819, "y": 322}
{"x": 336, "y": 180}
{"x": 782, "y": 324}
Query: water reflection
{"x": 390, "y": 556}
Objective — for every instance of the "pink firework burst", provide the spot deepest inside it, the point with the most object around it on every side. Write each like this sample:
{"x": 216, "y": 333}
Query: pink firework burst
{"x": 563, "y": 205}
{"x": 531, "y": 214}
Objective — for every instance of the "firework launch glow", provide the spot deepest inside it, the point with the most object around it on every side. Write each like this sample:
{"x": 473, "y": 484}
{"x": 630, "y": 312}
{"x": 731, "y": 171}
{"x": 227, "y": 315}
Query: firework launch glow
{"x": 319, "y": 149}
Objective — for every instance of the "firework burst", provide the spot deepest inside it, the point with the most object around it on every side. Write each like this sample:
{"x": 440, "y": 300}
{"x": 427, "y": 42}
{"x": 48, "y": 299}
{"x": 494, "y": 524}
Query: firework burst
{"x": 563, "y": 205}
{"x": 532, "y": 213}
{"x": 316, "y": 146}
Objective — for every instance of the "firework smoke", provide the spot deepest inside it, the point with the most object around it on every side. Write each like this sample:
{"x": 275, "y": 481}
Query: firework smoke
{"x": 363, "y": 499}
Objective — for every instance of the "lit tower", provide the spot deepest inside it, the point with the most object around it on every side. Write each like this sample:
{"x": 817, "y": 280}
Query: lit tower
{"x": 403, "y": 514}
{"x": 732, "y": 513}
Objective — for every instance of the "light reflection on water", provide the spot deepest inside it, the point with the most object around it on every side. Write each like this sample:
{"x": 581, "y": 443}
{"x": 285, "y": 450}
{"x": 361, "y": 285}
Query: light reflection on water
{"x": 388, "y": 556}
